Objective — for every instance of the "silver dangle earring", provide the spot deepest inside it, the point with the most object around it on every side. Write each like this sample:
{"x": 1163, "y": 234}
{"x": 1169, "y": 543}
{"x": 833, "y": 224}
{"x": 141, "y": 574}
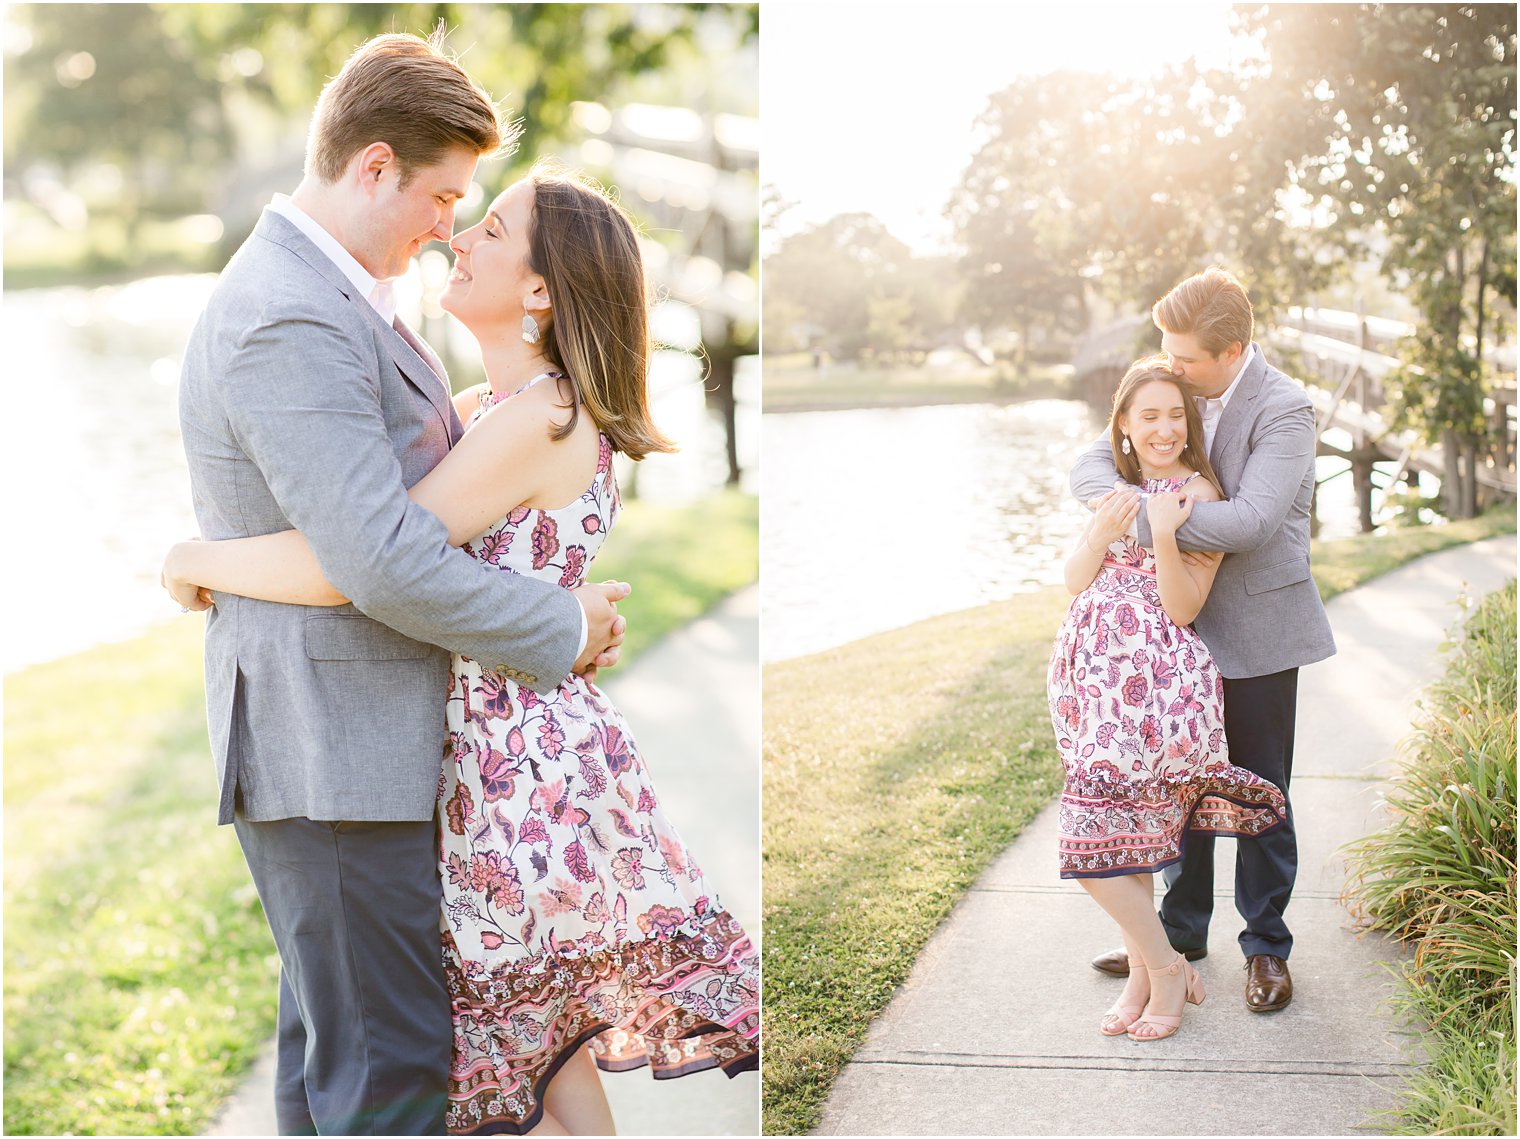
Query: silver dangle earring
{"x": 1125, "y": 445}
{"x": 530, "y": 328}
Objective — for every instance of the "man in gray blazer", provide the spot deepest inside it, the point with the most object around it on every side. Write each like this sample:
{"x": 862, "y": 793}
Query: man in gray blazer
{"x": 1263, "y": 618}
{"x": 305, "y": 403}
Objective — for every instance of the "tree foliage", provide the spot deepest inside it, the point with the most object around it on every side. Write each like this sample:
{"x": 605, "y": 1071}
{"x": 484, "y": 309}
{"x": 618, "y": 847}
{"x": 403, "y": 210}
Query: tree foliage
{"x": 1358, "y": 132}
{"x": 849, "y": 288}
{"x": 1088, "y": 186}
{"x": 170, "y": 83}
{"x": 1414, "y": 113}
{"x": 102, "y": 84}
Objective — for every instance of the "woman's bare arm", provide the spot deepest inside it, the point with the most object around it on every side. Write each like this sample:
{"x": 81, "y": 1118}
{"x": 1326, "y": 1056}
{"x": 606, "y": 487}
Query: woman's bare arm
{"x": 502, "y": 462}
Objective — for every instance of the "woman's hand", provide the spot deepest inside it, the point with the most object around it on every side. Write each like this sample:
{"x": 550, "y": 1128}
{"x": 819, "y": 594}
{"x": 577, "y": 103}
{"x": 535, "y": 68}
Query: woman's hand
{"x": 186, "y": 594}
{"x": 1168, "y": 511}
{"x": 1114, "y": 513}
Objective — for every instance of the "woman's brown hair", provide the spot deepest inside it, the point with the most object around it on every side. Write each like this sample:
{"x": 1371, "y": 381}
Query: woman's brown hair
{"x": 404, "y": 91}
{"x": 1193, "y": 456}
{"x": 585, "y": 248}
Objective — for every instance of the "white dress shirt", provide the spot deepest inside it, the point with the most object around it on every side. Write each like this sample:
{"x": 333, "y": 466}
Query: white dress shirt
{"x": 380, "y": 294}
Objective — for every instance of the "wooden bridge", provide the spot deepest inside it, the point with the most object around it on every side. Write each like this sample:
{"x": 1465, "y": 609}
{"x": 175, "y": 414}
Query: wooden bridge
{"x": 1343, "y": 358}
{"x": 1348, "y": 355}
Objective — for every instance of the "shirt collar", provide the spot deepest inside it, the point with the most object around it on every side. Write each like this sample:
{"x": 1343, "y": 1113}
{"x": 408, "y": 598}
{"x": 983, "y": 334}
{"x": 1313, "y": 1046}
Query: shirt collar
{"x": 377, "y": 293}
{"x": 1245, "y": 360}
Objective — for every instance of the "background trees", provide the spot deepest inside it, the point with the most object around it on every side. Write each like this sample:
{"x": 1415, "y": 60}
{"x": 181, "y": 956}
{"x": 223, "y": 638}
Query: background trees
{"x": 117, "y": 113}
{"x": 1412, "y": 153}
{"x": 848, "y": 288}
{"x": 1354, "y": 149}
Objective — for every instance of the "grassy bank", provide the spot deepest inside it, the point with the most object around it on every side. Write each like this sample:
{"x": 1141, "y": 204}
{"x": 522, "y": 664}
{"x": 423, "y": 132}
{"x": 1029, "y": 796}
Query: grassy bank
{"x": 896, "y": 769}
{"x": 39, "y": 254}
{"x": 1343, "y": 564}
{"x": 793, "y": 384}
{"x": 887, "y": 790}
{"x": 680, "y": 560}
{"x": 1441, "y": 877}
{"x": 139, "y": 974}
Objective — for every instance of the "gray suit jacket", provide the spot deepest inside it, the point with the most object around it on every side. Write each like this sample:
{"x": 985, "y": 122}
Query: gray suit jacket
{"x": 300, "y": 407}
{"x": 1264, "y": 614}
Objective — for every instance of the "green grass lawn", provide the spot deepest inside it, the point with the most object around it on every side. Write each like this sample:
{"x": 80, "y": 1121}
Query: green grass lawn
{"x": 139, "y": 973}
{"x": 793, "y": 384}
{"x": 887, "y": 790}
{"x": 896, "y": 769}
{"x": 1343, "y": 564}
{"x": 39, "y": 254}
{"x": 680, "y": 560}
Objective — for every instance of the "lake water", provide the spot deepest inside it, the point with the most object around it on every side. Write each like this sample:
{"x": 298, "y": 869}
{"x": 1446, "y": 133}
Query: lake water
{"x": 96, "y": 483}
{"x": 874, "y": 519}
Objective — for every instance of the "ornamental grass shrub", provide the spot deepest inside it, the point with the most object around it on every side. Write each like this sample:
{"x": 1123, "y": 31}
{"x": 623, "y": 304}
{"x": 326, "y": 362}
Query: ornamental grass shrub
{"x": 1441, "y": 878}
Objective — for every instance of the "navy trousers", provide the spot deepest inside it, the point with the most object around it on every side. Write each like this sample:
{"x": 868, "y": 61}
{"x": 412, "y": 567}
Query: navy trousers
{"x": 364, "y": 1025}
{"x": 1259, "y": 713}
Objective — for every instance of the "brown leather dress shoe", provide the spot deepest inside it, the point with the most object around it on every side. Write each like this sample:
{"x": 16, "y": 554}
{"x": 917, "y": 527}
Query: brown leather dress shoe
{"x": 1116, "y": 962}
{"x": 1268, "y": 985}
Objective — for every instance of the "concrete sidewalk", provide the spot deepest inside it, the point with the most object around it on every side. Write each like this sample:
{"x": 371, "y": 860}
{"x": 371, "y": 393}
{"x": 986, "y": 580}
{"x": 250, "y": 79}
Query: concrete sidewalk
{"x": 995, "y": 1031}
{"x": 693, "y": 702}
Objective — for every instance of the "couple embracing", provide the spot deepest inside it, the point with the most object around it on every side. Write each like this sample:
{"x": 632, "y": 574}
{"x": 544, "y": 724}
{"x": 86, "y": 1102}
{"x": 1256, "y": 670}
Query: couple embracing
{"x": 1173, "y": 681}
{"x": 396, "y": 576}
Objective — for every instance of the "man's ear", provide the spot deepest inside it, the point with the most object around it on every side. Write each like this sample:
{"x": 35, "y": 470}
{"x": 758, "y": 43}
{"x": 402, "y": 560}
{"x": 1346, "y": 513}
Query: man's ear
{"x": 374, "y": 164}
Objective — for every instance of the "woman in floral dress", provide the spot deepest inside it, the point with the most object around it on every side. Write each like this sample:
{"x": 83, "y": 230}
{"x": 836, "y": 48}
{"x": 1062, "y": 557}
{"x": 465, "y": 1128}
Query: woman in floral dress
{"x": 575, "y": 922}
{"x": 1137, "y": 701}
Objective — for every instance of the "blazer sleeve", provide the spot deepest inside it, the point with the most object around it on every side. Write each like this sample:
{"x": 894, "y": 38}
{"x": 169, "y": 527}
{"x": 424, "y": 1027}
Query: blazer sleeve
{"x": 1094, "y": 472}
{"x": 302, "y": 398}
{"x": 1282, "y": 451}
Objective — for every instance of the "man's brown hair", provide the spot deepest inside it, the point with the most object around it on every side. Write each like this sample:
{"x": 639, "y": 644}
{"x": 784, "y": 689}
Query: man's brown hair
{"x": 402, "y": 90}
{"x": 1212, "y": 306}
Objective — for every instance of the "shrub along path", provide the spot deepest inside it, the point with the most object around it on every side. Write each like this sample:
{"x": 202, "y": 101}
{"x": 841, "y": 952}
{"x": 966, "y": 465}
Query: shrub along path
{"x": 995, "y": 1031}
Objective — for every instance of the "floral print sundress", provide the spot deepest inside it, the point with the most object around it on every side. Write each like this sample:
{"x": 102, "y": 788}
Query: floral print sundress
{"x": 573, "y": 913}
{"x": 1138, "y": 708}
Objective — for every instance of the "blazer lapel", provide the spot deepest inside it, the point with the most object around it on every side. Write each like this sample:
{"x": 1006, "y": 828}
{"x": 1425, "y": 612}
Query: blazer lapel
{"x": 423, "y": 372}
{"x": 1237, "y": 412}
{"x": 417, "y": 363}
{"x": 279, "y": 230}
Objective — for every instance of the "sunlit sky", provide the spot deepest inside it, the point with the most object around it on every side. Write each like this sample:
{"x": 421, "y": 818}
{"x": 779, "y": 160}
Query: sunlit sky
{"x": 872, "y": 106}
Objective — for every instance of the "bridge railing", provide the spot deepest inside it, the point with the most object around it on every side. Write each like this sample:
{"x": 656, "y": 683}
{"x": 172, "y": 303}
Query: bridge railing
{"x": 1348, "y": 354}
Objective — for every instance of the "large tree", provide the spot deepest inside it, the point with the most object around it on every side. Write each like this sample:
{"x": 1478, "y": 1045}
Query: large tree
{"x": 1090, "y": 186}
{"x": 849, "y": 288}
{"x": 1411, "y": 148}
{"x": 102, "y": 85}
{"x": 1023, "y": 208}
